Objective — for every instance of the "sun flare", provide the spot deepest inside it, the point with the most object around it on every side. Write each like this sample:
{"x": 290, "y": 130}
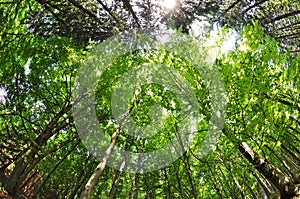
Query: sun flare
{"x": 169, "y": 4}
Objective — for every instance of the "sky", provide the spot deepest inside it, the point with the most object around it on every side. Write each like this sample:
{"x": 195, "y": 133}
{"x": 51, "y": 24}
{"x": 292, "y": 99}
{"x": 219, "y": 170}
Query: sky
{"x": 2, "y": 94}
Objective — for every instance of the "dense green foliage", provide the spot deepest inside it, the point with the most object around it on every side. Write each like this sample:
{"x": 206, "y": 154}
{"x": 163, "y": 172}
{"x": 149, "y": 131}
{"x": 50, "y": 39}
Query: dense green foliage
{"x": 41, "y": 155}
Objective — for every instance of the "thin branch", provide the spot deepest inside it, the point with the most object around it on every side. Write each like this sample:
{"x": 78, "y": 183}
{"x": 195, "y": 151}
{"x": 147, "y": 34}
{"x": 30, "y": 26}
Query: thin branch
{"x": 80, "y": 7}
{"x": 230, "y": 7}
{"x": 6, "y": 2}
{"x": 254, "y": 5}
{"x": 129, "y": 7}
{"x": 56, "y": 166}
{"x": 109, "y": 11}
{"x": 290, "y": 36}
{"x": 288, "y": 26}
{"x": 284, "y": 16}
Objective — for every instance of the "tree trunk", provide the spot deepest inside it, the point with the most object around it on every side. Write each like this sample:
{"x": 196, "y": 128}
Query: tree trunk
{"x": 86, "y": 194}
{"x": 282, "y": 182}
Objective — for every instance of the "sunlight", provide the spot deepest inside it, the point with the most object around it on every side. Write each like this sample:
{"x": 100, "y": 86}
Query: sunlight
{"x": 27, "y": 69}
{"x": 169, "y": 4}
{"x": 230, "y": 42}
{"x": 3, "y": 93}
{"x": 201, "y": 26}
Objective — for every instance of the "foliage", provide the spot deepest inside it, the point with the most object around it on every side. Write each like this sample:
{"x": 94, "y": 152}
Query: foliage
{"x": 41, "y": 155}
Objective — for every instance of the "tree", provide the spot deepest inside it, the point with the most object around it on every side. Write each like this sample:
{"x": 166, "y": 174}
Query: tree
{"x": 257, "y": 155}
{"x": 81, "y": 20}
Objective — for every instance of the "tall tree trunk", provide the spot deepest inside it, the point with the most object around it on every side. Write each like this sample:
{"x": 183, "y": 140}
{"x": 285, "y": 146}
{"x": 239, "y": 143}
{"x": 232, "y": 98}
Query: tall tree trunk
{"x": 54, "y": 168}
{"x": 170, "y": 195}
{"x": 136, "y": 186}
{"x": 137, "y": 175}
{"x": 86, "y": 194}
{"x": 287, "y": 186}
{"x": 179, "y": 181}
{"x": 188, "y": 168}
{"x": 26, "y": 163}
{"x": 116, "y": 180}
{"x": 115, "y": 184}
{"x": 23, "y": 165}
{"x": 190, "y": 176}
{"x": 282, "y": 182}
{"x": 81, "y": 176}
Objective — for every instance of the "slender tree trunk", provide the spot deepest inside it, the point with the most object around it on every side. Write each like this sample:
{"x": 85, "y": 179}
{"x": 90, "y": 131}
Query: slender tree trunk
{"x": 80, "y": 176}
{"x": 116, "y": 180}
{"x": 217, "y": 188}
{"x": 188, "y": 169}
{"x": 23, "y": 165}
{"x": 137, "y": 176}
{"x": 86, "y": 194}
{"x": 237, "y": 183}
{"x": 168, "y": 183}
{"x": 136, "y": 186}
{"x": 229, "y": 188}
{"x": 190, "y": 176}
{"x": 179, "y": 182}
{"x": 54, "y": 168}
{"x": 149, "y": 187}
{"x": 262, "y": 185}
{"x": 115, "y": 184}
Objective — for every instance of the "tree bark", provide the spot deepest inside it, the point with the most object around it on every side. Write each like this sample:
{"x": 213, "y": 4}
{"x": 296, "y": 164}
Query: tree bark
{"x": 23, "y": 166}
{"x": 190, "y": 175}
{"x": 287, "y": 186}
{"x": 282, "y": 182}
{"x": 54, "y": 168}
{"x": 86, "y": 194}
{"x": 116, "y": 179}
{"x": 136, "y": 186}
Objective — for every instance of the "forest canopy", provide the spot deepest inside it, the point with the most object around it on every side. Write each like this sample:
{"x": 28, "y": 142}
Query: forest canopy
{"x": 49, "y": 148}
